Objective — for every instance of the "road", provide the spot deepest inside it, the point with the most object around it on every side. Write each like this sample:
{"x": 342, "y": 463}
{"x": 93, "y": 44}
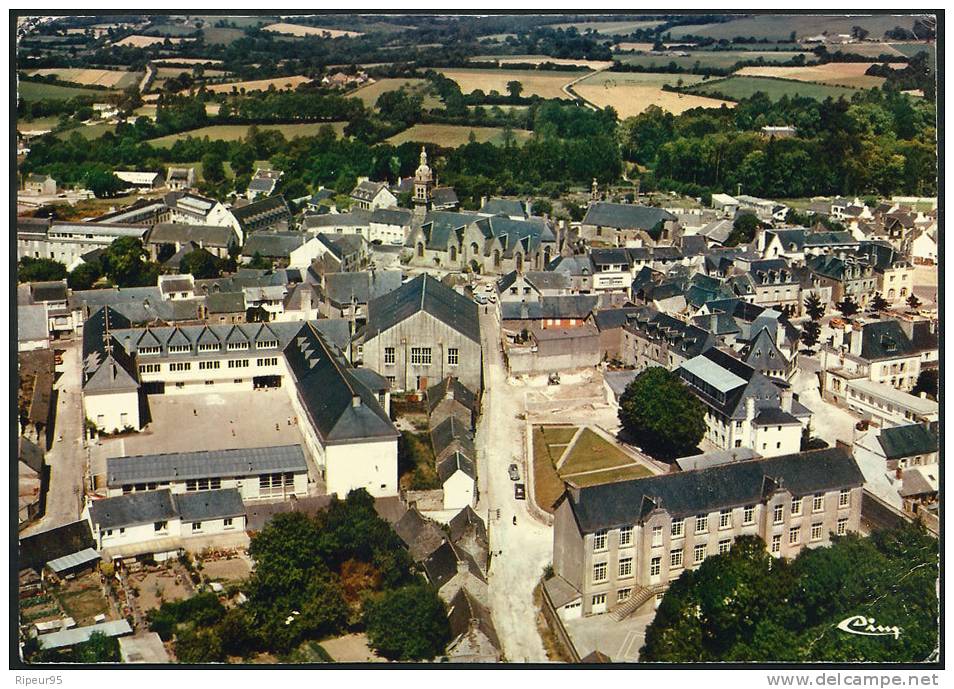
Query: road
{"x": 67, "y": 457}
{"x": 521, "y": 551}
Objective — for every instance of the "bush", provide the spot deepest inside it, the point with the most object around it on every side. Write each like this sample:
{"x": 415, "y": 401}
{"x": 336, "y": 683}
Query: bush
{"x": 409, "y": 623}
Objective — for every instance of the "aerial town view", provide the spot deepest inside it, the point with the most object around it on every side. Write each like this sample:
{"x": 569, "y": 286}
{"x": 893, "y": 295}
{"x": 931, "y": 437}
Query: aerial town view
{"x": 478, "y": 338}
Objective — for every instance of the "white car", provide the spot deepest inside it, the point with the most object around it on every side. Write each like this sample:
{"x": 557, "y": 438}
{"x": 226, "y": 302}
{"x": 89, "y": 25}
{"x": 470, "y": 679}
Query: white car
{"x": 489, "y": 288}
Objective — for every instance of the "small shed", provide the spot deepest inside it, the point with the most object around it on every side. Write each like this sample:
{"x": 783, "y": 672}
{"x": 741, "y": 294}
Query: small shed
{"x": 74, "y": 563}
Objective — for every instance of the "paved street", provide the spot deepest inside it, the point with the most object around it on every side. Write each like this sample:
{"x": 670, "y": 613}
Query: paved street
{"x": 527, "y": 547}
{"x": 67, "y": 457}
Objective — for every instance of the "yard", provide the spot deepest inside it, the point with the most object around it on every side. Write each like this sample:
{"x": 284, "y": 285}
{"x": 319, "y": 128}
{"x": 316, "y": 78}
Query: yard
{"x": 452, "y": 136}
{"x": 82, "y": 598}
{"x": 226, "y": 570}
{"x": 590, "y": 452}
{"x": 417, "y": 466}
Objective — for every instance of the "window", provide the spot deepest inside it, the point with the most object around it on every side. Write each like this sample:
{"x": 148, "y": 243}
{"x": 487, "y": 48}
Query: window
{"x": 677, "y": 527}
{"x": 793, "y": 535}
{"x": 844, "y": 497}
{"x": 599, "y": 600}
{"x": 453, "y": 356}
{"x": 267, "y": 344}
{"x": 599, "y": 572}
{"x": 675, "y": 558}
{"x": 599, "y": 540}
{"x": 149, "y": 350}
{"x": 233, "y": 346}
{"x": 227, "y": 522}
{"x": 724, "y": 546}
{"x": 816, "y": 532}
{"x": 657, "y": 536}
{"x": 275, "y": 484}
{"x": 180, "y": 366}
{"x": 421, "y": 356}
{"x": 203, "y": 484}
{"x": 389, "y": 356}
{"x": 778, "y": 513}
{"x": 210, "y": 347}
{"x": 269, "y": 361}
{"x": 206, "y": 365}
{"x": 776, "y": 543}
{"x": 149, "y": 368}
{"x": 196, "y": 526}
{"x": 179, "y": 349}
{"x": 748, "y": 514}
{"x": 159, "y": 526}
{"x": 626, "y": 536}
{"x": 842, "y": 527}
{"x": 654, "y": 566}
{"x": 796, "y": 506}
{"x": 238, "y": 363}
{"x": 626, "y": 567}
{"x": 698, "y": 553}
{"x": 623, "y": 594}
{"x": 818, "y": 502}
{"x": 702, "y": 523}
{"x": 392, "y": 380}
{"x": 725, "y": 519}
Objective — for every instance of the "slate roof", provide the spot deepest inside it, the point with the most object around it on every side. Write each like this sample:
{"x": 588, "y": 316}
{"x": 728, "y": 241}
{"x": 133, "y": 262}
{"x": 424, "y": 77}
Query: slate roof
{"x": 421, "y": 536}
{"x": 262, "y": 214}
{"x": 206, "y": 235}
{"x": 143, "y": 507}
{"x": 465, "y": 520}
{"x": 460, "y": 393}
{"x": 764, "y": 354}
{"x": 273, "y": 244}
{"x": 717, "y": 231}
{"x": 355, "y": 218}
{"x": 906, "y": 441}
{"x": 32, "y": 323}
{"x": 452, "y": 433}
{"x": 736, "y": 484}
{"x": 884, "y": 340}
{"x": 367, "y": 190}
{"x": 774, "y": 416}
{"x": 625, "y": 216}
{"x": 423, "y": 293}
{"x": 456, "y": 461}
{"x": 688, "y": 340}
{"x": 392, "y": 216}
{"x": 547, "y": 280}
{"x": 608, "y": 319}
{"x": 48, "y": 291}
{"x": 39, "y": 548}
{"x": 363, "y": 287}
{"x": 466, "y": 616}
{"x": 209, "y": 504}
{"x": 444, "y": 197}
{"x": 225, "y": 302}
{"x": 182, "y": 466}
{"x": 554, "y": 306}
{"x": 441, "y": 565}
{"x": 509, "y": 207}
{"x": 920, "y": 480}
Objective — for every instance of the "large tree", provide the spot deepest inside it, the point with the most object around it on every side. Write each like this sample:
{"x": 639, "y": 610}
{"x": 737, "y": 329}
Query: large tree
{"x": 83, "y": 276}
{"x": 104, "y": 184}
{"x": 125, "y": 264}
{"x": 810, "y": 334}
{"x": 848, "y": 307}
{"x": 878, "y": 303}
{"x": 31, "y": 269}
{"x": 814, "y": 306}
{"x": 747, "y": 606}
{"x": 200, "y": 264}
{"x": 662, "y": 414}
{"x": 744, "y": 228}
{"x": 408, "y": 623}
{"x": 927, "y": 383}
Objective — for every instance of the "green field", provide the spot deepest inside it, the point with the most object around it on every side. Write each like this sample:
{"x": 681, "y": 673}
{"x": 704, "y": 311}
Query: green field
{"x": 591, "y": 452}
{"x": 239, "y": 22}
{"x": 234, "y": 132}
{"x": 715, "y": 59}
{"x": 93, "y": 131}
{"x": 171, "y": 30}
{"x": 610, "y": 475}
{"x": 38, "y": 123}
{"x": 656, "y": 79}
{"x": 912, "y": 49}
{"x": 623, "y": 28}
{"x": 222, "y": 36}
{"x": 452, "y": 136}
{"x": 33, "y": 90}
{"x": 780, "y": 26}
{"x": 737, "y": 88}
{"x": 370, "y": 93}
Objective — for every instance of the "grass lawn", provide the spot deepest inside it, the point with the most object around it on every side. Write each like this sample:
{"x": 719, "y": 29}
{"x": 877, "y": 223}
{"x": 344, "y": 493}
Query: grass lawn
{"x": 452, "y": 136}
{"x": 744, "y": 87}
{"x": 37, "y": 124}
{"x": 558, "y": 435}
{"x": 34, "y": 90}
{"x": 547, "y": 484}
{"x": 93, "y": 131}
{"x": 82, "y": 599}
{"x": 234, "y": 132}
{"x": 370, "y": 93}
{"x": 610, "y": 476}
{"x": 222, "y": 36}
{"x": 592, "y": 452}
{"x": 715, "y": 59}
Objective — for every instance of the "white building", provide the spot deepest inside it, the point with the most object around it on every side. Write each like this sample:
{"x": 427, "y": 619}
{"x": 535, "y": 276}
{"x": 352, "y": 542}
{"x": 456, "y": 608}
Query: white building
{"x": 458, "y": 475}
{"x": 67, "y": 242}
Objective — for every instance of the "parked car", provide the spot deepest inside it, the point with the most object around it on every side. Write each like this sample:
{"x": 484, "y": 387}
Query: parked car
{"x": 480, "y": 299}
{"x": 514, "y": 472}
{"x": 519, "y": 491}
{"x": 489, "y": 287}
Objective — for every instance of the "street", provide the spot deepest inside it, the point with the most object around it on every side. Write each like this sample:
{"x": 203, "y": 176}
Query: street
{"x": 521, "y": 551}
{"x": 67, "y": 457}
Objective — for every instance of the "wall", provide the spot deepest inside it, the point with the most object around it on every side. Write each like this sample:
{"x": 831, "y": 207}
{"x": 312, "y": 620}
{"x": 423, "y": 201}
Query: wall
{"x": 458, "y": 491}
{"x": 369, "y": 465}
{"x": 112, "y": 411}
{"x": 582, "y": 350}
{"x": 568, "y": 544}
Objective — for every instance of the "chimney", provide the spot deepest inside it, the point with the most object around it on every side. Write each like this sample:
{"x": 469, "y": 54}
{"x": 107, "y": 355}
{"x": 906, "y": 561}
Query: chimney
{"x": 749, "y": 409}
{"x": 462, "y": 567}
{"x": 857, "y": 330}
{"x": 714, "y": 323}
{"x": 787, "y": 397}
{"x": 355, "y": 401}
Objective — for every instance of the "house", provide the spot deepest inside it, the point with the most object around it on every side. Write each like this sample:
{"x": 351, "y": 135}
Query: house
{"x": 139, "y": 180}
{"x": 39, "y": 185}
{"x": 420, "y": 535}
{"x": 451, "y": 398}
{"x": 894, "y": 273}
{"x": 31, "y": 482}
{"x": 66, "y": 638}
{"x": 743, "y": 407}
{"x": 270, "y": 213}
{"x": 333, "y": 253}
{"x": 421, "y": 332}
{"x": 473, "y": 635}
{"x": 716, "y": 233}
{"x": 353, "y": 222}
{"x": 159, "y": 523}
{"x": 619, "y": 224}
{"x": 263, "y": 183}
{"x": 247, "y": 470}
{"x": 609, "y": 323}
{"x": 169, "y": 238}
{"x": 565, "y": 311}
{"x": 225, "y": 307}
{"x": 370, "y": 196}
{"x": 458, "y": 476}
{"x": 924, "y": 246}
{"x": 33, "y": 327}
{"x": 766, "y": 282}
{"x": 186, "y": 207}
{"x": 180, "y": 178}
{"x": 347, "y": 295}
{"x": 898, "y": 447}
{"x": 389, "y": 226}
{"x": 881, "y": 403}
{"x": 851, "y": 276}
{"x": 532, "y": 285}
{"x": 652, "y": 338}
{"x": 555, "y": 348}
{"x": 765, "y": 209}
{"x": 278, "y": 247}
{"x": 618, "y": 546}
{"x": 513, "y": 209}
{"x": 880, "y": 351}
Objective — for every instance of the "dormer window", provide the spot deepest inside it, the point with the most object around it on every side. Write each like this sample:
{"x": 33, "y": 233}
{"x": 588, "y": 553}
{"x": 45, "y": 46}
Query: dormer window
{"x": 179, "y": 349}
{"x": 268, "y": 344}
{"x": 233, "y": 346}
{"x": 214, "y": 347}
{"x": 146, "y": 351}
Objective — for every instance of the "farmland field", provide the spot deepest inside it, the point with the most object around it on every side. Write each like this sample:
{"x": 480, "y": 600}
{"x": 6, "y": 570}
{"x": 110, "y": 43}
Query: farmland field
{"x": 632, "y": 92}
{"x": 137, "y": 41}
{"x": 234, "y": 132}
{"x": 300, "y": 30}
{"x": 543, "y": 83}
{"x": 715, "y": 59}
{"x": 93, "y": 131}
{"x": 743, "y": 87}
{"x": 608, "y": 28}
{"x": 281, "y": 83}
{"x": 33, "y": 90}
{"x": 539, "y": 60}
{"x": 872, "y": 50}
{"x": 780, "y": 26}
{"x": 37, "y": 124}
{"x": 92, "y": 77}
{"x": 912, "y": 49}
{"x": 452, "y": 136}
{"x": 186, "y": 61}
{"x": 170, "y": 30}
{"x": 369, "y": 93}
{"x": 850, "y": 74}
{"x": 222, "y": 36}
{"x": 626, "y": 47}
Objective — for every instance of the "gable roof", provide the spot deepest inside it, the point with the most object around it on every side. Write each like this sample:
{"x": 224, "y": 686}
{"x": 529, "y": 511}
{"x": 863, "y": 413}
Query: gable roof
{"x": 182, "y": 466}
{"x": 509, "y": 207}
{"x": 906, "y": 441}
{"x": 454, "y": 462}
{"x": 426, "y": 294}
{"x": 884, "y": 340}
{"x": 625, "y": 216}
{"x": 208, "y": 235}
{"x": 451, "y": 388}
{"x": 142, "y": 507}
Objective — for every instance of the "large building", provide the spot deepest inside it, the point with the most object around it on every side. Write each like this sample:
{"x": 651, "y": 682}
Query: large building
{"x": 619, "y": 545}
{"x": 347, "y": 432}
{"x": 421, "y": 333}
{"x": 67, "y": 242}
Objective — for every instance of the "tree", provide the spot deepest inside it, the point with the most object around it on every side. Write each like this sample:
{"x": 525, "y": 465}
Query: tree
{"x": 409, "y": 623}
{"x": 514, "y": 89}
{"x": 913, "y": 302}
{"x": 662, "y": 414}
{"x": 99, "y": 648}
{"x": 200, "y": 264}
{"x": 810, "y": 334}
{"x": 814, "y": 307}
{"x": 104, "y": 184}
{"x": 199, "y": 646}
{"x": 878, "y": 303}
{"x": 927, "y": 383}
{"x": 213, "y": 171}
{"x": 31, "y": 269}
{"x": 848, "y": 307}
{"x": 259, "y": 262}
{"x": 743, "y": 229}
{"x": 124, "y": 263}
{"x": 83, "y": 276}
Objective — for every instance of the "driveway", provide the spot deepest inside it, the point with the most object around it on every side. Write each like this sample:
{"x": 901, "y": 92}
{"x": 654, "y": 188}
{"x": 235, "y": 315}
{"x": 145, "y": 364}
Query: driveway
{"x": 521, "y": 551}
{"x": 67, "y": 457}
